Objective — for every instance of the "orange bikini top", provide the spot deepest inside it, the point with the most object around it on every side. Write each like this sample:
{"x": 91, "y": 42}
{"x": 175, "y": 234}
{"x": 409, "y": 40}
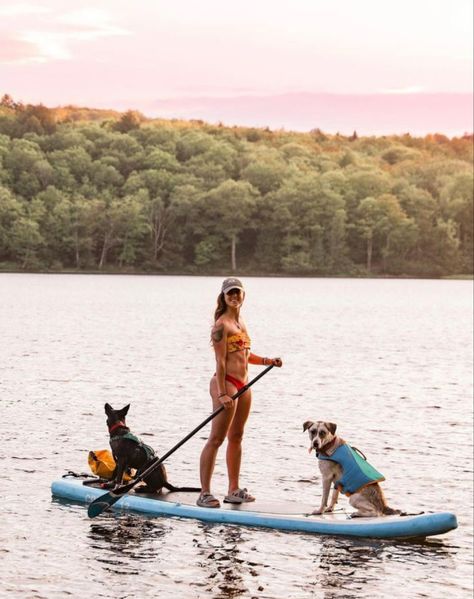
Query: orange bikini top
{"x": 238, "y": 342}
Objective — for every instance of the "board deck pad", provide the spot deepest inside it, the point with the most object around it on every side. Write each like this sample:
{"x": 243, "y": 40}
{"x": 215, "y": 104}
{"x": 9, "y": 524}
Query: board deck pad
{"x": 261, "y": 506}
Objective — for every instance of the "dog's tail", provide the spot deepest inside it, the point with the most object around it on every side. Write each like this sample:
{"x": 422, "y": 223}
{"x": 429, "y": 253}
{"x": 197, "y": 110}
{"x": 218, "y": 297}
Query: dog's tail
{"x": 174, "y": 489}
{"x": 388, "y": 511}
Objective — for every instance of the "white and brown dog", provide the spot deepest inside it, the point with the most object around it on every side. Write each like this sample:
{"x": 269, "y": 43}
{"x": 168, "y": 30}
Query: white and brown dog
{"x": 353, "y": 475}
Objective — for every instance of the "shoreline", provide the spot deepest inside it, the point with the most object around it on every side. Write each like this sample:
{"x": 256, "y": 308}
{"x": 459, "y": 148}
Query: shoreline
{"x": 454, "y": 277}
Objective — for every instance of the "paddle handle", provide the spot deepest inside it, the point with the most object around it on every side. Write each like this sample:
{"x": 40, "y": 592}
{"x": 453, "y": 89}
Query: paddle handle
{"x": 125, "y": 488}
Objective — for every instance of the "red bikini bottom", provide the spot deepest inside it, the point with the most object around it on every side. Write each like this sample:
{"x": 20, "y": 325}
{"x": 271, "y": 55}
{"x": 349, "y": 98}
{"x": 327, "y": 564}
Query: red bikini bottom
{"x": 237, "y": 384}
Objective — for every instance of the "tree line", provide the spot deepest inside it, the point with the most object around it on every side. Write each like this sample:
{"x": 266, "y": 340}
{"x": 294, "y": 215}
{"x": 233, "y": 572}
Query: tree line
{"x": 84, "y": 189}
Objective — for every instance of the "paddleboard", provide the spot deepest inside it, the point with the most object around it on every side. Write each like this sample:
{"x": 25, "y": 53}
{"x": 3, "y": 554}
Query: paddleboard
{"x": 266, "y": 514}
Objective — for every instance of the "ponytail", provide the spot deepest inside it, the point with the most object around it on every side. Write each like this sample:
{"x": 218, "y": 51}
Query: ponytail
{"x": 221, "y": 306}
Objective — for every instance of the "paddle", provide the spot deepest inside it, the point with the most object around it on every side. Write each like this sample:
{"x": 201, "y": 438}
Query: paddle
{"x": 108, "y": 499}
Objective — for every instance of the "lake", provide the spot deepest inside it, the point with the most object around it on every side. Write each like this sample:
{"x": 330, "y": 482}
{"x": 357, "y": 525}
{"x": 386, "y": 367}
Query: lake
{"x": 390, "y": 361}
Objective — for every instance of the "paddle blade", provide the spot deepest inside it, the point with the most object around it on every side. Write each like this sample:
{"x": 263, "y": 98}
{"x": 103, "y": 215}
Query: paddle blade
{"x": 102, "y": 503}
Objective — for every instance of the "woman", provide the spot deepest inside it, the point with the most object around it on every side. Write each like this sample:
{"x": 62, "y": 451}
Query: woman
{"x": 232, "y": 350}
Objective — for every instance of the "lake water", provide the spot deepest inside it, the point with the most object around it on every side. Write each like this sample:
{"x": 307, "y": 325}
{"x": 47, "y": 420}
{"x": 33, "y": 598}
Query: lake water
{"x": 389, "y": 360}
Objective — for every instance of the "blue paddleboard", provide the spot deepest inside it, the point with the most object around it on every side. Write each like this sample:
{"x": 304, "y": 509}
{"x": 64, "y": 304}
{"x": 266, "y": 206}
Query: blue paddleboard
{"x": 277, "y": 516}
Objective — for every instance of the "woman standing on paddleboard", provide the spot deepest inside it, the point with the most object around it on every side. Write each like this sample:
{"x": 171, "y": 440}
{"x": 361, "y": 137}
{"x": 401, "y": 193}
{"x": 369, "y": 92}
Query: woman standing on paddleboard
{"x": 232, "y": 350}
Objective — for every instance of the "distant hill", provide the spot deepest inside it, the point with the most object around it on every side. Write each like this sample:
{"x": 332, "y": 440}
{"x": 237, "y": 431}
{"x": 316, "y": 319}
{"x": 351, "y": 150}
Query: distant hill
{"x": 84, "y": 189}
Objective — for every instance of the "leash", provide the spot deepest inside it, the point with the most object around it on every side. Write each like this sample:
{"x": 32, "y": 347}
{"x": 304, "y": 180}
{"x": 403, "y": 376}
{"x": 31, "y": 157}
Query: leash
{"x": 71, "y": 474}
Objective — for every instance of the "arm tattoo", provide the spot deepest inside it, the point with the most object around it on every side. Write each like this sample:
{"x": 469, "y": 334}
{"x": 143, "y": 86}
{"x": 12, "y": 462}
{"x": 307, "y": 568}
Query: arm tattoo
{"x": 218, "y": 333}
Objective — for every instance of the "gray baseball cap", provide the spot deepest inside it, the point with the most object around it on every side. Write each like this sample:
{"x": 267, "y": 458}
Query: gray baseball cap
{"x": 231, "y": 283}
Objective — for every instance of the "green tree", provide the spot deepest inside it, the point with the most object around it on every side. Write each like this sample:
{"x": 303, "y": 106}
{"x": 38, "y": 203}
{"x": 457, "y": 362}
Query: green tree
{"x": 377, "y": 218}
{"x": 457, "y": 197}
{"x": 315, "y": 229}
{"x": 83, "y": 215}
{"x": 192, "y": 143}
{"x": 228, "y": 211}
{"x": 11, "y": 210}
{"x": 26, "y": 241}
{"x": 36, "y": 118}
{"x": 129, "y": 121}
{"x": 263, "y": 176}
{"x": 119, "y": 224}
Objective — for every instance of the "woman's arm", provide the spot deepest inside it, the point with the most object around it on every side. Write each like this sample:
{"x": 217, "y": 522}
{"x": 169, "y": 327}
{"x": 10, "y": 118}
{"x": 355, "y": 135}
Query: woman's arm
{"x": 254, "y": 359}
{"x": 219, "y": 342}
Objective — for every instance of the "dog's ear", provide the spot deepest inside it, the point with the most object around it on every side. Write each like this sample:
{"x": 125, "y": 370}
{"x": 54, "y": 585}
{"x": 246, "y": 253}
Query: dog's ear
{"x": 108, "y": 409}
{"x": 124, "y": 411}
{"x": 306, "y": 425}
{"x": 331, "y": 427}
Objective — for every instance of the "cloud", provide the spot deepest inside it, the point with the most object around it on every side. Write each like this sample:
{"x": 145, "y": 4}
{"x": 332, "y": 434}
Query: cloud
{"x": 15, "y": 51}
{"x": 87, "y": 24}
{"x": 53, "y": 39}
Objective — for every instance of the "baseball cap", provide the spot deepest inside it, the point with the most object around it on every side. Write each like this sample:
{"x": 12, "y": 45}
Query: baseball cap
{"x": 231, "y": 283}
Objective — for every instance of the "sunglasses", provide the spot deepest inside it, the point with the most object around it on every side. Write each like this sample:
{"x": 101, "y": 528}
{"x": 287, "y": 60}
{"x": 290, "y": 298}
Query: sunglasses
{"x": 233, "y": 292}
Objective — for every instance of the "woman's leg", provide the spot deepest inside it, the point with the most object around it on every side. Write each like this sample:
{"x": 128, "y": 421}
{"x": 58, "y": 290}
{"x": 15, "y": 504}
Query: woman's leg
{"x": 219, "y": 427}
{"x": 234, "y": 439}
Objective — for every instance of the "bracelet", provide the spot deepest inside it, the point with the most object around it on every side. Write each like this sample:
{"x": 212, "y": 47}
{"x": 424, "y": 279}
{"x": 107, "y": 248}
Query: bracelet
{"x": 264, "y": 362}
{"x": 222, "y": 394}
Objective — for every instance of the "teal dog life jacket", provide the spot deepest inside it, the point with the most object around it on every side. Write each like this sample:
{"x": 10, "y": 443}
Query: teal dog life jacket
{"x": 356, "y": 471}
{"x": 150, "y": 452}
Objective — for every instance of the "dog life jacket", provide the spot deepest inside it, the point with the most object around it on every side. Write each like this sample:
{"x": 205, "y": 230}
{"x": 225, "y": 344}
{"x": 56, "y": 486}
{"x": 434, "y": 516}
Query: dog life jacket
{"x": 356, "y": 471}
{"x": 150, "y": 453}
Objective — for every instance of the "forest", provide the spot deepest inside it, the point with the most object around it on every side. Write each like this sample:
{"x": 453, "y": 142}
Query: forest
{"x": 84, "y": 190}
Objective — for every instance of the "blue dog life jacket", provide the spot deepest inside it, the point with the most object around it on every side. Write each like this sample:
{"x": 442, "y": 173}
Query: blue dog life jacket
{"x": 356, "y": 471}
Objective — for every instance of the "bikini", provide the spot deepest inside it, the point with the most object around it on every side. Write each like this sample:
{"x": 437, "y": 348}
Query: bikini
{"x": 237, "y": 342}
{"x": 233, "y": 381}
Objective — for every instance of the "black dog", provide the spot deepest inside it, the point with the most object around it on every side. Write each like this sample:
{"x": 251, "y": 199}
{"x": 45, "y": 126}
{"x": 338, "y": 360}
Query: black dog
{"x": 130, "y": 452}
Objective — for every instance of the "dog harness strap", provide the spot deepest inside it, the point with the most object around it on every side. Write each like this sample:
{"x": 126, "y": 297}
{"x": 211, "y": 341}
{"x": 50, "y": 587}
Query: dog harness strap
{"x": 356, "y": 472}
{"x": 150, "y": 452}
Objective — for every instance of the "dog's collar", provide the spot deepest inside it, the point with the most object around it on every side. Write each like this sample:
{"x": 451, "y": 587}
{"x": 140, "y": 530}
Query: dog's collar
{"x": 324, "y": 450}
{"x": 118, "y": 424}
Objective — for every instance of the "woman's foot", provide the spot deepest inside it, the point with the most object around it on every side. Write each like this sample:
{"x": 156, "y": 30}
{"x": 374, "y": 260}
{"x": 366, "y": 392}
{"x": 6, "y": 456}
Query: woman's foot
{"x": 207, "y": 500}
{"x": 239, "y": 496}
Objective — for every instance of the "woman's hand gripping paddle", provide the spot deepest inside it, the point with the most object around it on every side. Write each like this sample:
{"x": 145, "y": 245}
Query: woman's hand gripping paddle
{"x": 108, "y": 499}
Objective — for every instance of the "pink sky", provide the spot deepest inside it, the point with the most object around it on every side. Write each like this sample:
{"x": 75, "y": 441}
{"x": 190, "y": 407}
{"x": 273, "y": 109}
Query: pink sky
{"x": 375, "y": 66}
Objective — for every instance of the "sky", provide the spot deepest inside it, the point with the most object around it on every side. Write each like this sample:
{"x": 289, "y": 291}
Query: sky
{"x": 371, "y": 65}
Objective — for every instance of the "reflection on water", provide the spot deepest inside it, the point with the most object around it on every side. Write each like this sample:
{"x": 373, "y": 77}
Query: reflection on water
{"x": 121, "y": 542}
{"x": 348, "y": 566}
{"x": 342, "y": 565}
{"x": 220, "y": 557}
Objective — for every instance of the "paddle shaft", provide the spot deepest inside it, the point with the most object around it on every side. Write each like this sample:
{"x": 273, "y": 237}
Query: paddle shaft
{"x": 108, "y": 499}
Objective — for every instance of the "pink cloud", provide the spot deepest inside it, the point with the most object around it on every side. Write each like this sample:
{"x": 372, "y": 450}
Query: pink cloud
{"x": 15, "y": 50}
{"x": 51, "y": 37}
